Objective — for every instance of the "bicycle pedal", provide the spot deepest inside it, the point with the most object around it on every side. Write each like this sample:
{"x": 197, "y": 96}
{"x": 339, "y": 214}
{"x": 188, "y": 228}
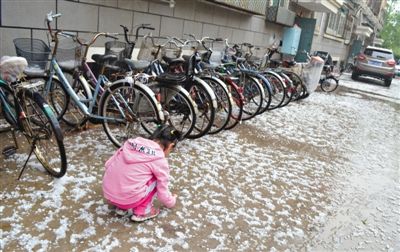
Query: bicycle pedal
{"x": 9, "y": 151}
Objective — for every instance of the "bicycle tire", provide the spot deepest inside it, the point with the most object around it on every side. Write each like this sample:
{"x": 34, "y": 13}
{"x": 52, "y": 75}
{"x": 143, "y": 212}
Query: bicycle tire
{"x": 253, "y": 94}
{"x": 224, "y": 103}
{"x": 267, "y": 89}
{"x": 329, "y": 84}
{"x": 140, "y": 116}
{"x": 73, "y": 116}
{"x": 40, "y": 125}
{"x": 237, "y": 106}
{"x": 298, "y": 86}
{"x": 205, "y": 99}
{"x": 289, "y": 89}
{"x": 179, "y": 107}
{"x": 278, "y": 89}
{"x": 9, "y": 98}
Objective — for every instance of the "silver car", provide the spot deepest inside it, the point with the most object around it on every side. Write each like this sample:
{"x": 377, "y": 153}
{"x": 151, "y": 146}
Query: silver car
{"x": 375, "y": 62}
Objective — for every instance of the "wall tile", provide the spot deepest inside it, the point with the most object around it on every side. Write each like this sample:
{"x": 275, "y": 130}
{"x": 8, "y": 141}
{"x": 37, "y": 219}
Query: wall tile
{"x": 7, "y": 35}
{"x": 138, "y": 5}
{"x": 220, "y": 16}
{"x": 195, "y": 28}
{"x": 160, "y": 8}
{"x": 210, "y": 31}
{"x": 185, "y": 9}
{"x": 118, "y": 17}
{"x": 143, "y": 18}
{"x": 171, "y": 27}
{"x": 20, "y": 12}
{"x": 77, "y": 16}
{"x": 203, "y": 12}
{"x": 225, "y": 33}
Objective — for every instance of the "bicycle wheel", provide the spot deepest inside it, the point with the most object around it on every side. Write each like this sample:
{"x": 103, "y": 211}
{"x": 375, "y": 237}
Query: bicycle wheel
{"x": 289, "y": 89}
{"x": 42, "y": 130}
{"x": 329, "y": 84}
{"x": 278, "y": 93}
{"x": 178, "y": 106}
{"x": 298, "y": 86}
{"x": 204, "y": 97}
{"x": 73, "y": 115}
{"x": 128, "y": 111}
{"x": 7, "y": 105}
{"x": 237, "y": 106}
{"x": 55, "y": 94}
{"x": 224, "y": 103}
{"x": 267, "y": 88}
{"x": 253, "y": 94}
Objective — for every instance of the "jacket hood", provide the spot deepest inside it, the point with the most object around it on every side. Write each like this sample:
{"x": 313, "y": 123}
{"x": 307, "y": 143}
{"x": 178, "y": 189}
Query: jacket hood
{"x": 139, "y": 150}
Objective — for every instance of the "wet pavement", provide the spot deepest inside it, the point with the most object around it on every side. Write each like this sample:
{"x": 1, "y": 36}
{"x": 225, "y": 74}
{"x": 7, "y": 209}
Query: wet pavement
{"x": 321, "y": 174}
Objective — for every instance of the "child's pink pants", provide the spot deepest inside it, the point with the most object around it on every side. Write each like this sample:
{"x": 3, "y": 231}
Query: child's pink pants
{"x": 143, "y": 206}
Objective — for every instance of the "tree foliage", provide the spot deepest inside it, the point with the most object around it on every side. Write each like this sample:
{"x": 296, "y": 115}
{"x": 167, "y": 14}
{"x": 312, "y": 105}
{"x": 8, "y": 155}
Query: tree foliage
{"x": 391, "y": 29}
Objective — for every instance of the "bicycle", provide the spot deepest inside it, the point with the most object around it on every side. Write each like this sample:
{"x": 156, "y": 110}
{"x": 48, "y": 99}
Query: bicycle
{"x": 126, "y": 109}
{"x": 26, "y": 111}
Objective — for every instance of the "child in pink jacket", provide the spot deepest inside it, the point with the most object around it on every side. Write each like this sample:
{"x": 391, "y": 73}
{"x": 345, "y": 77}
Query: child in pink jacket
{"x": 138, "y": 171}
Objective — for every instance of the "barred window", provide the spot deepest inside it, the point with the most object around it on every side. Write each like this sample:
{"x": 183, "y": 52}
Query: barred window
{"x": 336, "y": 24}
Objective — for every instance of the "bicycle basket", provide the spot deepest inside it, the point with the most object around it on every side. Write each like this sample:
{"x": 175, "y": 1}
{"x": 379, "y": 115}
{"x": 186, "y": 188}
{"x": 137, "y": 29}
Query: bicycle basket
{"x": 171, "y": 50}
{"x": 69, "y": 53}
{"x": 118, "y": 48}
{"x": 147, "y": 51}
{"x": 35, "y": 51}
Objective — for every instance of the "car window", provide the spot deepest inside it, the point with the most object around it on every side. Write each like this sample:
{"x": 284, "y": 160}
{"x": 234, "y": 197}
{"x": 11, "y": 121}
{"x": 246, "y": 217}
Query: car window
{"x": 378, "y": 54}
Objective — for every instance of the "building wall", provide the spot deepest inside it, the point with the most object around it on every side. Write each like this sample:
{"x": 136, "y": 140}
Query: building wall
{"x": 22, "y": 18}
{"x": 324, "y": 42}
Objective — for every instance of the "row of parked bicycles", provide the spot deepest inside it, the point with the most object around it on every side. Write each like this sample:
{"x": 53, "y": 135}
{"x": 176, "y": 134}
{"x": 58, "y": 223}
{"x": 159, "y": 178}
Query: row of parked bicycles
{"x": 200, "y": 86}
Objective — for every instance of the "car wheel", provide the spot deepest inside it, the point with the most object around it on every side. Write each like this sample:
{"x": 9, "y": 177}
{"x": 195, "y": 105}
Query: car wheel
{"x": 388, "y": 82}
{"x": 354, "y": 75}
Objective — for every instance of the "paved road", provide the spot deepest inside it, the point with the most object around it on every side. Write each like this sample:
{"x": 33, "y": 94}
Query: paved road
{"x": 320, "y": 175}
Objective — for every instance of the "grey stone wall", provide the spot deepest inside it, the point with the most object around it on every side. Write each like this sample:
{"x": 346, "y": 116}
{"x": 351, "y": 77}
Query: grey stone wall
{"x": 23, "y": 18}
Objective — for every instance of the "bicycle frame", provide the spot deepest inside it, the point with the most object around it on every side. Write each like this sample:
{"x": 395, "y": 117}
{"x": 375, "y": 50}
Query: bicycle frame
{"x": 87, "y": 110}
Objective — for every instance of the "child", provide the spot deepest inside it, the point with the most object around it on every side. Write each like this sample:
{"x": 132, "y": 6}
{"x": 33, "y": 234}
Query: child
{"x": 139, "y": 170}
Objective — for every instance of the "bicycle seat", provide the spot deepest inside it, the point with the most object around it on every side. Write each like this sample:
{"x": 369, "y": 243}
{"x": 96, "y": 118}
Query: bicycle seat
{"x": 170, "y": 78}
{"x": 172, "y": 61}
{"x": 135, "y": 64}
{"x": 187, "y": 57}
{"x": 289, "y": 63}
{"x": 238, "y": 59}
{"x": 104, "y": 59}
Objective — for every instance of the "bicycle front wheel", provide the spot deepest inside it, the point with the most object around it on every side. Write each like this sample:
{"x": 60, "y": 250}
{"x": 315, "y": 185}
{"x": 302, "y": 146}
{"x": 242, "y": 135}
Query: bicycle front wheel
{"x": 329, "y": 84}
{"x": 224, "y": 104}
{"x": 177, "y": 105}
{"x": 204, "y": 97}
{"x": 43, "y": 132}
{"x": 128, "y": 111}
{"x": 253, "y": 94}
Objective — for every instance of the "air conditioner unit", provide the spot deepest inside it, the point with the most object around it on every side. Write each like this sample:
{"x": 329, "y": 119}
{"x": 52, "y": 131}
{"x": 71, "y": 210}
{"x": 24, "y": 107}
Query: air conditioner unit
{"x": 280, "y": 15}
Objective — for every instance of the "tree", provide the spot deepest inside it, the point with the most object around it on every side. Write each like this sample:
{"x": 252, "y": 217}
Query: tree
{"x": 391, "y": 28}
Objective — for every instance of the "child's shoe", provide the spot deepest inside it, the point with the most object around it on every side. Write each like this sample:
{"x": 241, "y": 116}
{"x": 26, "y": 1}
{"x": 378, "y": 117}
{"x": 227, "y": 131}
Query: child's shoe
{"x": 139, "y": 218}
{"x": 123, "y": 212}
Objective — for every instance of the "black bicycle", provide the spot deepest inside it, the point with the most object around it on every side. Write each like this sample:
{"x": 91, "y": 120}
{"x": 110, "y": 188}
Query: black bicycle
{"x": 26, "y": 111}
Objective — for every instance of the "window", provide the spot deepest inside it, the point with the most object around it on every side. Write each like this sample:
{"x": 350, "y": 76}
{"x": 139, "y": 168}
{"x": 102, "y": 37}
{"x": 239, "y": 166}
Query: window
{"x": 383, "y": 55}
{"x": 336, "y": 24}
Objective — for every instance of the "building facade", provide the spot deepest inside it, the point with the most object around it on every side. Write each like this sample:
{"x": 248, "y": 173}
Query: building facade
{"x": 333, "y": 24}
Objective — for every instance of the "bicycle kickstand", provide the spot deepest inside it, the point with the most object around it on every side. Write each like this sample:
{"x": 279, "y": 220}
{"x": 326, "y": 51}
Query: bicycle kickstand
{"x": 26, "y": 162}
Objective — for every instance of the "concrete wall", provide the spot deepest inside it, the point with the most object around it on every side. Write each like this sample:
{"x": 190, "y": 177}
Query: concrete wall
{"x": 22, "y": 18}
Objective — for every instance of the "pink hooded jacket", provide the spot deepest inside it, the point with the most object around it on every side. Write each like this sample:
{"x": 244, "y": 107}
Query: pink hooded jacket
{"x": 131, "y": 167}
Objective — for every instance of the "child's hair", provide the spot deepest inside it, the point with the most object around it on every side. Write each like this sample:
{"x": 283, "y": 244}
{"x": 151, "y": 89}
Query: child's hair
{"x": 166, "y": 134}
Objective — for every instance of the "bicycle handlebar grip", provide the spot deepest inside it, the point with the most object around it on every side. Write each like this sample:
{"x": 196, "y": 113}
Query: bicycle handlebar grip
{"x": 148, "y": 28}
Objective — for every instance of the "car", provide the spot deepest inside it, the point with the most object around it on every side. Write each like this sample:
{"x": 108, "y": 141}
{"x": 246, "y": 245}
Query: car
{"x": 397, "y": 73}
{"x": 375, "y": 62}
